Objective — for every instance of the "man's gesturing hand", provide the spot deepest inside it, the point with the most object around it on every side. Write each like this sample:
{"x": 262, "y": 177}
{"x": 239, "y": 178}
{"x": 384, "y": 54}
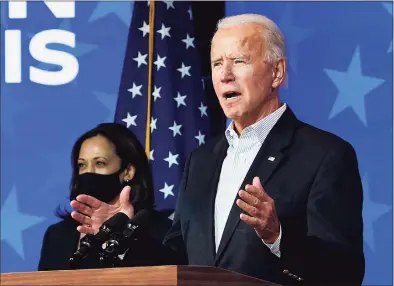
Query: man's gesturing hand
{"x": 260, "y": 209}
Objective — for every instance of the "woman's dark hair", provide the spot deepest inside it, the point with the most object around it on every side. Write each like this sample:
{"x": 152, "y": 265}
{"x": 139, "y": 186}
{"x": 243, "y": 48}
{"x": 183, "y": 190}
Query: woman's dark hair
{"x": 130, "y": 151}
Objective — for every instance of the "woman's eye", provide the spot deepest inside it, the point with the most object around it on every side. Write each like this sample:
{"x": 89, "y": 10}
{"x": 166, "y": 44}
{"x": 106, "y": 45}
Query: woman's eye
{"x": 101, "y": 164}
{"x": 80, "y": 165}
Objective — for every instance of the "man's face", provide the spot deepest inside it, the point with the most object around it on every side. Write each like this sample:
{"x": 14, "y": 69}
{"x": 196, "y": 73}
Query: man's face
{"x": 242, "y": 79}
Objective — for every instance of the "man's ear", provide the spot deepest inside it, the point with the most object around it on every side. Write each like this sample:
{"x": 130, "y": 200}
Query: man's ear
{"x": 279, "y": 72}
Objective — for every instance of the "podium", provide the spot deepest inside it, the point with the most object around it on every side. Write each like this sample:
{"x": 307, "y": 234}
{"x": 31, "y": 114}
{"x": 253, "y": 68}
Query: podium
{"x": 156, "y": 275}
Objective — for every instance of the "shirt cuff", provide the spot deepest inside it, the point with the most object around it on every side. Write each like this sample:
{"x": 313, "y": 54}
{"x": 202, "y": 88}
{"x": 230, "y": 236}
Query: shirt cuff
{"x": 275, "y": 247}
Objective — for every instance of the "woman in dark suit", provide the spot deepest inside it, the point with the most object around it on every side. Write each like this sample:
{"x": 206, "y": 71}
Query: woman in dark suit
{"x": 109, "y": 164}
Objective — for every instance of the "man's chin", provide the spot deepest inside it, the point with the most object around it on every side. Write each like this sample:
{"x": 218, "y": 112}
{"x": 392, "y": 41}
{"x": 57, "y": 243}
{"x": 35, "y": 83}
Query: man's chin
{"x": 232, "y": 115}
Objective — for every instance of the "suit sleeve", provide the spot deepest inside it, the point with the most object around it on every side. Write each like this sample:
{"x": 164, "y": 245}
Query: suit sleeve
{"x": 332, "y": 251}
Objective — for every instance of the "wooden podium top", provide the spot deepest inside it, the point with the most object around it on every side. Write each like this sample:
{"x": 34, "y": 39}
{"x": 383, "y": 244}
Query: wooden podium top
{"x": 157, "y": 275}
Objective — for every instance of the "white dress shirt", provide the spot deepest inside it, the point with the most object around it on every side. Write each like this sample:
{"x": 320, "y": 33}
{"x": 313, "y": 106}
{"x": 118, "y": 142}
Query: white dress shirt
{"x": 240, "y": 155}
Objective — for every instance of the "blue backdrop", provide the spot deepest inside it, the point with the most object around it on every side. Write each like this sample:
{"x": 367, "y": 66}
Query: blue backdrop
{"x": 340, "y": 79}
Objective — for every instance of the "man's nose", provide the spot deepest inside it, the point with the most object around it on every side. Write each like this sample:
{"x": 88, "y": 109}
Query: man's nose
{"x": 227, "y": 74}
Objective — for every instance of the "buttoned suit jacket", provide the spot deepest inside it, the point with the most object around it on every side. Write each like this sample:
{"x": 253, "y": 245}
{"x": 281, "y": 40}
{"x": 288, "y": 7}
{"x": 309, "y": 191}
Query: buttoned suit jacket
{"x": 313, "y": 178}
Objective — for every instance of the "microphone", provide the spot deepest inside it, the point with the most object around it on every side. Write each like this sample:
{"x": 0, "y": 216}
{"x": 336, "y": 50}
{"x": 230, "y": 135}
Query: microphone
{"x": 92, "y": 242}
{"x": 117, "y": 244}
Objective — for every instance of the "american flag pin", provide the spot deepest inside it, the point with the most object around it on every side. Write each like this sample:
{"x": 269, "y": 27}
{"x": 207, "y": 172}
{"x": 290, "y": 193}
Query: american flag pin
{"x": 272, "y": 159}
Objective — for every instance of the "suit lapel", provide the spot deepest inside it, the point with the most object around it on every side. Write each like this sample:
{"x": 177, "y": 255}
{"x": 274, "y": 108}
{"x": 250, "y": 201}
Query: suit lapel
{"x": 212, "y": 168}
{"x": 269, "y": 157}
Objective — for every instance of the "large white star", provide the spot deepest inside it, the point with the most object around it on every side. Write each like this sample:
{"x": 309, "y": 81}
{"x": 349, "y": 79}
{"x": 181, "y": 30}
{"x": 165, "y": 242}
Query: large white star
{"x": 294, "y": 35}
{"x": 188, "y": 41}
{"x": 108, "y": 101}
{"x": 153, "y": 124}
{"x": 144, "y": 29}
{"x": 176, "y": 129}
{"x": 160, "y": 62}
{"x": 171, "y": 159}
{"x": 141, "y": 59}
{"x": 130, "y": 120}
{"x": 123, "y": 10}
{"x": 352, "y": 87}
{"x": 170, "y": 4}
{"x": 164, "y": 31}
{"x": 184, "y": 70}
{"x": 200, "y": 137}
{"x": 14, "y": 223}
{"x": 156, "y": 93}
{"x": 180, "y": 99}
{"x": 135, "y": 90}
{"x": 203, "y": 110}
{"x": 167, "y": 190}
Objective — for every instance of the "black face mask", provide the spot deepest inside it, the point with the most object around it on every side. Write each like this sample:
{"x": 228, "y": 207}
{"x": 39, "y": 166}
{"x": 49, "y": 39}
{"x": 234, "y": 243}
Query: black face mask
{"x": 102, "y": 187}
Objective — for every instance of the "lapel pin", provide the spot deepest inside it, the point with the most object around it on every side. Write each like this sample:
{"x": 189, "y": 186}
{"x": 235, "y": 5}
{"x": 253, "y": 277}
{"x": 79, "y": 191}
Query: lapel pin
{"x": 272, "y": 159}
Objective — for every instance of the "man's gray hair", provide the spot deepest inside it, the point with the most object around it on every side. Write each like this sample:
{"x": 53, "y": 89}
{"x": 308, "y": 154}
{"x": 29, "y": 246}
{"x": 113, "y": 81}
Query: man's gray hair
{"x": 272, "y": 36}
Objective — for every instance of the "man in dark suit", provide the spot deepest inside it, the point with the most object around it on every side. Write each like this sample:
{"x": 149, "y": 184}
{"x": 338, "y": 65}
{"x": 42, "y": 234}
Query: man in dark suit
{"x": 273, "y": 198}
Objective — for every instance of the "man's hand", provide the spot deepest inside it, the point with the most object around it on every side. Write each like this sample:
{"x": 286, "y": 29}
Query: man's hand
{"x": 92, "y": 213}
{"x": 261, "y": 209}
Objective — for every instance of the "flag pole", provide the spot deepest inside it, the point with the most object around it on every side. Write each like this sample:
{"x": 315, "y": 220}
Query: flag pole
{"x": 150, "y": 76}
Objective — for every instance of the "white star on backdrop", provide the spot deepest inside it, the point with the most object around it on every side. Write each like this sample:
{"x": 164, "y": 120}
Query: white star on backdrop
{"x": 188, "y": 41}
{"x": 170, "y": 4}
{"x": 294, "y": 35}
{"x": 203, "y": 110}
{"x": 156, "y": 93}
{"x": 184, "y": 70}
{"x": 171, "y": 159}
{"x": 151, "y": 155}
{"x": 14, "y": 223}
{"x": 200, "y": 137}
{"x": 167, "y": 190}
{"x": 130, "y": 120}
{"x": 353, "y": 86}
{"x": 153, "y": 124}
{"x": 135, "y": 90}
{"x": 190, "y": 13}
{"x": 144, "y": 29}
{"x": 123, "y": 10}
{"x": 164, "y": 31}
{"x": 160, "y": 62}
{"x": 109, "y": 101}
{"x": 176, "y": 129}
{"x": 141, "y": 59}
{"x": 180, "y": 100}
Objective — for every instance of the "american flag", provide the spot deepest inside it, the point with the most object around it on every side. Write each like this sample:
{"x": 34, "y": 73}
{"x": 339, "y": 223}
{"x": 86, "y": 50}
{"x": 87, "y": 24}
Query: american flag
{"x": 178, "y": 114}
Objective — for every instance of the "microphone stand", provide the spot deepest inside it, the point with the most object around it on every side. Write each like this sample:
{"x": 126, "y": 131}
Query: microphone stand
{"x": 107, "y": 256}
